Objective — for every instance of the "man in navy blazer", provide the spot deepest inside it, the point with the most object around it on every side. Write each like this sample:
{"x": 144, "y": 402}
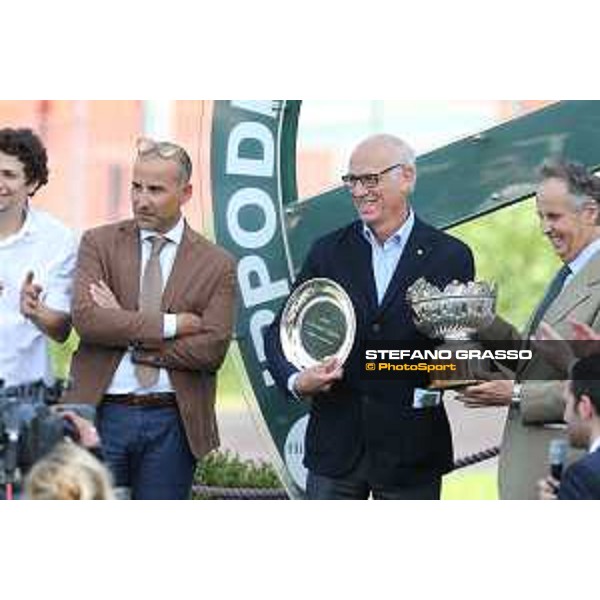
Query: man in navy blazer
{"x": 581, "y": 480}
{"x": 375, "y": 437}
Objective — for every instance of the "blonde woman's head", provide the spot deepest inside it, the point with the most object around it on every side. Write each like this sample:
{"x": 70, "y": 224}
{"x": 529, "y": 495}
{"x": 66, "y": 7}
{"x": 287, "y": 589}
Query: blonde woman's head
{"x": 68, "y": 472}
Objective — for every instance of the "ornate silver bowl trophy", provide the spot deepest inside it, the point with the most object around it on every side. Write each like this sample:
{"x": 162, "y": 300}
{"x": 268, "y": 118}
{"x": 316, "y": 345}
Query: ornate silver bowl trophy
{"x": 454, "y": 314}
{"x": 318, "y": 322}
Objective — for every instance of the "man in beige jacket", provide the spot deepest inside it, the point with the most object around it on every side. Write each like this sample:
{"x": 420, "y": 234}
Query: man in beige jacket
{"x": 567, "y": 204}
{"x": 154, "y": 306}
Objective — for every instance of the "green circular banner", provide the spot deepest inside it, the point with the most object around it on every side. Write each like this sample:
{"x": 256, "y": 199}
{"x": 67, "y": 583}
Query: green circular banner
{"x": 253, "y": 177}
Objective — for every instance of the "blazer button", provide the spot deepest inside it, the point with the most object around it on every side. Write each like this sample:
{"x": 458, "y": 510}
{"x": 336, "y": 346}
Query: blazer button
{"x": 376, "y": 328}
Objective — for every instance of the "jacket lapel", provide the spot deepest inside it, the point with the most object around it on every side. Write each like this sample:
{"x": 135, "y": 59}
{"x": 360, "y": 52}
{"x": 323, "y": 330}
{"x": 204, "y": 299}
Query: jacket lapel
{"x": 129, "y": 258}
{"x": 576, "y": 292}
{"x": 358, "y": 272}
{"x": 180, "y": 272}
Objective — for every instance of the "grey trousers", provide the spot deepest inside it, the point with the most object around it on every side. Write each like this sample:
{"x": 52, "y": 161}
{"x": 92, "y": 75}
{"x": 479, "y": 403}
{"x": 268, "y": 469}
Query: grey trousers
{"x": 356, "y": 486}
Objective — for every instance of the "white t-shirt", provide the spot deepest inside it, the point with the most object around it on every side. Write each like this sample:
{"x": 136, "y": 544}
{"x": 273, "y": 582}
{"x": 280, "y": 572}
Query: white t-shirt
{"x": 46, "y": 247}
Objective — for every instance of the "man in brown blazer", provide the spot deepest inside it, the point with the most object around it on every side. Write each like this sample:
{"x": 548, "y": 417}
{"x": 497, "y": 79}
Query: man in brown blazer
{"x": 568, "y": 200}
{"x": 154, "y": 307}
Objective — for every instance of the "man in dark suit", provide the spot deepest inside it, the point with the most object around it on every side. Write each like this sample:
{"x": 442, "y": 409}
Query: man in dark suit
{"x": 375, "y": 437}
{"x": 581, "y": 480}
{"x": 154, "y": 307}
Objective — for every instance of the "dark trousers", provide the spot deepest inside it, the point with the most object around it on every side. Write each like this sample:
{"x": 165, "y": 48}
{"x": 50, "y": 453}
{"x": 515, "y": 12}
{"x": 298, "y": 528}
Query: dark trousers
{"x": 356, "y": 486}
{"x": 147, "y": 451}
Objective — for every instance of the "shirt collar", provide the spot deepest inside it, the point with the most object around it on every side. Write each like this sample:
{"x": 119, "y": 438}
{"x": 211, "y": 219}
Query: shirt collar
{"x": 584, "y": 256}
{"x": 174, "y": 235}
{"x": 402, "y": 233}
{"x": 595, "y": 445}
{"x": 30, "y": 227}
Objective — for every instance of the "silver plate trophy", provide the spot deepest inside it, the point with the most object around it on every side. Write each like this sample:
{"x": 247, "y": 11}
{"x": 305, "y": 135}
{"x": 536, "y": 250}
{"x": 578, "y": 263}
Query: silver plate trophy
{"x": 318, "y": 322}
{"x": 454, "y": 314}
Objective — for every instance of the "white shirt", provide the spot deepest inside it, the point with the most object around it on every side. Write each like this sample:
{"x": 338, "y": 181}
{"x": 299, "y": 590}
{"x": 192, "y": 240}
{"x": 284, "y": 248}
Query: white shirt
{"x": 595, "y": 445}
{"x": 46, "y": 247}
{"x": 582, "y": 259}
{"x": 124, "y": 380}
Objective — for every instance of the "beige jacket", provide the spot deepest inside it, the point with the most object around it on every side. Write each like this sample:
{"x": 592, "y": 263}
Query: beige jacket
{"x": 529, "y": 429}
{"x": 202, "y": 282}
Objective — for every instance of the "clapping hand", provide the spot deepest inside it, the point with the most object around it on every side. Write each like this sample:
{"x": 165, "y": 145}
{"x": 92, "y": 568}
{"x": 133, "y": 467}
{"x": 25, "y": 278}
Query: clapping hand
{"x": 556, "y": 350}
{"x": 584, "y": 333}
{"x": 561, "y": 353}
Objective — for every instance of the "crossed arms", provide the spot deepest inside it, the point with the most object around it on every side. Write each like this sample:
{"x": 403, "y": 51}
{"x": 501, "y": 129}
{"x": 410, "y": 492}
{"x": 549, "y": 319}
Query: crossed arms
{"x": 200, "y": 341}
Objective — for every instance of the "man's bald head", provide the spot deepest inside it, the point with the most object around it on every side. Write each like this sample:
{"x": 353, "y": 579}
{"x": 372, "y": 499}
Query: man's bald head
{"x": 386, "y": 149}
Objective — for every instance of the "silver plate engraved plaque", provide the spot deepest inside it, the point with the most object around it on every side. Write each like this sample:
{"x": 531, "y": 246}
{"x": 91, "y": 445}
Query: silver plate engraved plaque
{"x": 318, "y": 322}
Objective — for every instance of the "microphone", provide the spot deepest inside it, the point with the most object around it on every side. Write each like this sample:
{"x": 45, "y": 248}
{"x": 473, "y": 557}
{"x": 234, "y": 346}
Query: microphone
{"x": 557, "y": 456}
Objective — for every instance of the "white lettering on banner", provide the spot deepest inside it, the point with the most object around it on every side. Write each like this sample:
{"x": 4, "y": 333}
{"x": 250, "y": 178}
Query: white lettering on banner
{"x": 256, "y": 167}
{"x": 259, "y": 320}
{"x": 253, "y": 268}
{"x": 245, "y": 198}
{"x": 261, "y": 107}
{"x": 256, "y": 283}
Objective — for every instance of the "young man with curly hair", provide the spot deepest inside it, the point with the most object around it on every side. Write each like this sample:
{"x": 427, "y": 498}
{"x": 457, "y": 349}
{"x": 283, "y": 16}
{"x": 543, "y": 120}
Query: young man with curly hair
{"x": 37, "y": 260}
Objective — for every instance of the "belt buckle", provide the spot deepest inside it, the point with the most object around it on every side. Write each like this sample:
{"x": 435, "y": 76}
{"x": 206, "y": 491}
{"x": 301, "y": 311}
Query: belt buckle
{"x": 136, "y": 400}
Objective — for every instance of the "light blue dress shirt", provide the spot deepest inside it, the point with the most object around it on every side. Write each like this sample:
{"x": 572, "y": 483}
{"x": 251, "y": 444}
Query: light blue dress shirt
{"x": 385, "y": 257}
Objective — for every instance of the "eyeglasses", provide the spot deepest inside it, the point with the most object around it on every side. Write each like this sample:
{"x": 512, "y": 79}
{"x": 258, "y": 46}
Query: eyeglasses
{"x": 163, "y": 149}
{"x": 368, "y": 180}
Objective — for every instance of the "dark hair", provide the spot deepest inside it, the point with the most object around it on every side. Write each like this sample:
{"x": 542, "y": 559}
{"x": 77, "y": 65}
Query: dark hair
{"x": 25, "y": 145}
{"x": 585, "y": 376}
{"x": 580, "y": 180}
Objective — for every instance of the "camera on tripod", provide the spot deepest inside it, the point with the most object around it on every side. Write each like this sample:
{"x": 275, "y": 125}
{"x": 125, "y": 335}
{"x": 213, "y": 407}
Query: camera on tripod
{"x": 29, "y": 428}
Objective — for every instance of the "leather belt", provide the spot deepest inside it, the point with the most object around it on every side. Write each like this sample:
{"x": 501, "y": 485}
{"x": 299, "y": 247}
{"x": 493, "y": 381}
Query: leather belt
{"x": 162, "y": 400}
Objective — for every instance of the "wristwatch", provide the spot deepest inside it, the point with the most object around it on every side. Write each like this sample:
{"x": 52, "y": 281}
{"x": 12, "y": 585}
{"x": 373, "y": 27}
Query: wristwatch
{"x": 516, "y": 395}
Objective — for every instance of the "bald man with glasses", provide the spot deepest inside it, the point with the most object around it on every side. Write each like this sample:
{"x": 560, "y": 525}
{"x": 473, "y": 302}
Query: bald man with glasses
{"x": 366, "y": 437}
{"x": 154, "y": 307}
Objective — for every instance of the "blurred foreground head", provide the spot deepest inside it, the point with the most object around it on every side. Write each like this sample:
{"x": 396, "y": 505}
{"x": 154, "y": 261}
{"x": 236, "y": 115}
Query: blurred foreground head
{"x": 69, "y": 472}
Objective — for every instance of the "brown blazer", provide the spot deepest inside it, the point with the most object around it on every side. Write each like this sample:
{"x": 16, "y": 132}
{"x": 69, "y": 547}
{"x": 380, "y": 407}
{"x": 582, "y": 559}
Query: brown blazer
{"x": 202, "y": 282}
{"x": 529, "y": 430}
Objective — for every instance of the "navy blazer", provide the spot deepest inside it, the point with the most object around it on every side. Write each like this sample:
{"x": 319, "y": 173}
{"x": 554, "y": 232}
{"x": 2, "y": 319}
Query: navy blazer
{"x": 404, "y": 445}
{"x": 581, "y": 480}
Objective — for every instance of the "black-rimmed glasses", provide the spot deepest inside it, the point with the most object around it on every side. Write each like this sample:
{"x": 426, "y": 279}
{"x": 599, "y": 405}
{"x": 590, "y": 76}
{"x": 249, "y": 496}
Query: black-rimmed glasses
{"x": 368, "y": 180}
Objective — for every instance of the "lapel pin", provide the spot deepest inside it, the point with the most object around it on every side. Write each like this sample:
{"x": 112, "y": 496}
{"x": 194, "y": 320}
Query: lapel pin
{"x": 420, "y": 252}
